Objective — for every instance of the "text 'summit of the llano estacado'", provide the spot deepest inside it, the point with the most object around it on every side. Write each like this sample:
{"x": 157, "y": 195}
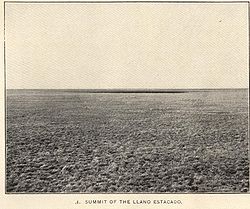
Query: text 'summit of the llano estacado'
{"x": 134, "y": 202}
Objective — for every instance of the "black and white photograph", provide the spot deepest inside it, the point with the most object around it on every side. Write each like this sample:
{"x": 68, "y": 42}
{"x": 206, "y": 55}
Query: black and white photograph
{"x": 126, "y": 97}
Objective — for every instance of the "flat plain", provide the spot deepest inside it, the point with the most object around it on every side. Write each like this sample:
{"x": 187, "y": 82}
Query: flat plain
{"x": 74, "y": 141}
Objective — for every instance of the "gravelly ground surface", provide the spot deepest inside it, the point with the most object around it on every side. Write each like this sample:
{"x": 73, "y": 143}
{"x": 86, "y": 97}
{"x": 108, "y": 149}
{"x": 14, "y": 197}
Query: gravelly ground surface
{"x": 59, "y": 141}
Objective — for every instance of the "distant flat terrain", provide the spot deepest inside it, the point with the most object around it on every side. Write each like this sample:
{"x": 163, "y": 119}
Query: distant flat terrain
{"x": 82, "y": 141}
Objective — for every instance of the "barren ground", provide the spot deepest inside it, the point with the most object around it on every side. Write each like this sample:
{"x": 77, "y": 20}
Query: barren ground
{"x": 59, "y": 141}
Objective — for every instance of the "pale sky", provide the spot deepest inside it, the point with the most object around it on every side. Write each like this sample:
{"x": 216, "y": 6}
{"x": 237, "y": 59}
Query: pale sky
{"x": 131, "y": 45}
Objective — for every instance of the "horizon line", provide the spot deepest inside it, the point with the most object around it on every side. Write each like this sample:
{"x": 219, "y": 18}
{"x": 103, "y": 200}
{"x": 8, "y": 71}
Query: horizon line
{"x": 123, "y": 88}
{"x": 132, "y": 90}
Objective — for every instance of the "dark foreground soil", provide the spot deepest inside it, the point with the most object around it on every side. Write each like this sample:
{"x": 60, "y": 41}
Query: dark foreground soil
{"x": 91, "y": 142}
